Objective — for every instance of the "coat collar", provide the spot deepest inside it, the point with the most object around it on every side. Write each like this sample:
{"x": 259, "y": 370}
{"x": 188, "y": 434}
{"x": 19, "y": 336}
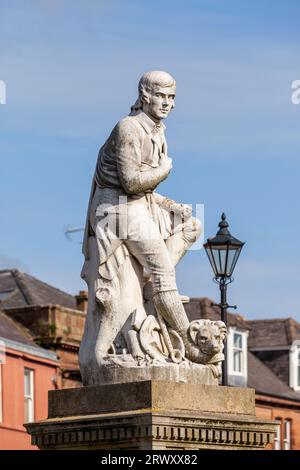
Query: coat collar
{"x": 147, "y": 123}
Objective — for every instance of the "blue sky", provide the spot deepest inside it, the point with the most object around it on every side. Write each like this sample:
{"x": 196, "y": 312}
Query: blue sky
{"x": 71, "y": 70}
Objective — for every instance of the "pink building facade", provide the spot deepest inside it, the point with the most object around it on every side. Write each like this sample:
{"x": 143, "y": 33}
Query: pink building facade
{"x": 27, "y": 372}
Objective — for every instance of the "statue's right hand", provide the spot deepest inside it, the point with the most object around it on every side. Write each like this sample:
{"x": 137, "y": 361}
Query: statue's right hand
{"x": 166, "y": 163}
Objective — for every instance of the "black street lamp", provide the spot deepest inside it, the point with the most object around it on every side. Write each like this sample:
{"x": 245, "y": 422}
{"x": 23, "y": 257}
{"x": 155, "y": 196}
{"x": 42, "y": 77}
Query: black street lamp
{"x": 223, "y": 252}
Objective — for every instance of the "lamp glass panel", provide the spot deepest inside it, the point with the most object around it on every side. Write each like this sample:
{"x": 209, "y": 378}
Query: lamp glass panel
{"x": 219, "y": 255}
{"x": 233, "y": 254}
{"x": 211, "y": 260}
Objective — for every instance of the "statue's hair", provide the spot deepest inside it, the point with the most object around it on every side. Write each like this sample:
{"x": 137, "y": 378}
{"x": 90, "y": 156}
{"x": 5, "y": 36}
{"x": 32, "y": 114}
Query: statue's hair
{"x": 146, "y": 84}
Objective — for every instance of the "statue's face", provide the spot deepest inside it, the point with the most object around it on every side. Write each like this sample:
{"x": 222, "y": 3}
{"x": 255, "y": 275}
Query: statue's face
{"x": 161, "y": 102}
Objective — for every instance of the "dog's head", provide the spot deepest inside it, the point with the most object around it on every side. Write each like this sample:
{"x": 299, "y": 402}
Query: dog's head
{"x": 208, "y": 336}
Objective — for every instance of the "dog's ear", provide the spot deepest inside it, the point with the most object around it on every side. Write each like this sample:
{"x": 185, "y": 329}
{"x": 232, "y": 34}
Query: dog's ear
{"x": 222, "y": 328}
{"x": 194, "y": 329}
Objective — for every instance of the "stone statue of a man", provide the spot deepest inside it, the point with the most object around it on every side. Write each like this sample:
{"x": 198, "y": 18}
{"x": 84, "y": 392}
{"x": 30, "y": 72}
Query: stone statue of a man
{"x": 133, "y": 240}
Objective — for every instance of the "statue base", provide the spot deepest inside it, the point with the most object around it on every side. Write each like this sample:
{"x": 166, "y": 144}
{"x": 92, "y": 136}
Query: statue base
{"x": 152, "y": 415}
{"x": 117, "y": 369}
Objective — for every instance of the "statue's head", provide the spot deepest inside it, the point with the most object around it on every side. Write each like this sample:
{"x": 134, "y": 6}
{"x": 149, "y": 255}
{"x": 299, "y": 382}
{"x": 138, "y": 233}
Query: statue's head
{"x": 156, "y": 95}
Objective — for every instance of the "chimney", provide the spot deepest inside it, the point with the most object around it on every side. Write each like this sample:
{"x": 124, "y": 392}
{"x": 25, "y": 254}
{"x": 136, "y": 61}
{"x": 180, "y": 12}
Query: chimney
{"x": 82, "y": 300}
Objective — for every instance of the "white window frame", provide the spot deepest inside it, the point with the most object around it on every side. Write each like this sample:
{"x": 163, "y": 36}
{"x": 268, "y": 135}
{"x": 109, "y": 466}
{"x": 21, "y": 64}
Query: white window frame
{"x": 277, "y": 437}
{"x": 287, "y": 424}
{"x": 230, "y": 352}
{"x": 295, "y": 365}
{"x": 238, "y": 352}
{"x": 29, "y": 399}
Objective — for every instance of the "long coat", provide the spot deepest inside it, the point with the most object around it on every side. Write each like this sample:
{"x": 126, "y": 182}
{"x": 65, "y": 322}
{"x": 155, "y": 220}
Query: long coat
{"x": 128, "y": 164}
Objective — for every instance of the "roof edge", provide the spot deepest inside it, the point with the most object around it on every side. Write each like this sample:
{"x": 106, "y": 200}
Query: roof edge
{"x": 33, "y": 350}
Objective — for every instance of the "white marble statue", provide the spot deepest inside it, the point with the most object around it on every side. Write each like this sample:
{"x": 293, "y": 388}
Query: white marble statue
{"x": 134, "y": 238}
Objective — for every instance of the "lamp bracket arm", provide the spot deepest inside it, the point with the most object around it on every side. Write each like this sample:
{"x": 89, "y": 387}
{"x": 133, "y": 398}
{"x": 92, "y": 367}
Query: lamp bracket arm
{"x": 224, "y": 306}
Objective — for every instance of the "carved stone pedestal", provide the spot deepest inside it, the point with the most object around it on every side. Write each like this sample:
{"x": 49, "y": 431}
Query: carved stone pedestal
{"x": 130, "y": 372}
{"x": 152, "y": 415}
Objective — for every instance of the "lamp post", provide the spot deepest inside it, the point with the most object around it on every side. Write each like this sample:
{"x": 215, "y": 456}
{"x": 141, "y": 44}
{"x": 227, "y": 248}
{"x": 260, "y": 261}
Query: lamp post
{"x": 223, "y": 251}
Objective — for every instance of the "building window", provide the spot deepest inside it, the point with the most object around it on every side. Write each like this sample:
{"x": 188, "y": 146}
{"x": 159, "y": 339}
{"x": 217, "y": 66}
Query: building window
{"x": 282, "y": 440}
{"x": 28, "y": 395}
{"x": 295, "y": 365}
{"x": 287, "y": 435}
{"x": 5, "y": 294}
{"x": 237, "y": 352}
{"x": 237, "y": 357}
{"x": 277, "y": 438}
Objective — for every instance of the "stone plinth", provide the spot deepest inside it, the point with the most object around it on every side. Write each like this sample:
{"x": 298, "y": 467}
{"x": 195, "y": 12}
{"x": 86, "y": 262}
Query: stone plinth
{"x": 129, "y": 372}
{"x": 152, "y": 415}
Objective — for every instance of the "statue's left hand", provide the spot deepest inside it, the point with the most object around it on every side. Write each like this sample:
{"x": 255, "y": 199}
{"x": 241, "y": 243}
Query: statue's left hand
{"x": 183, "y": 210}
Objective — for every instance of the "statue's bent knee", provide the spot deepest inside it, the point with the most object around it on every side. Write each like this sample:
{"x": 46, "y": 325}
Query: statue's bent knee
{"x": 197, "y": 226}
{"x": 192, "y": 230}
